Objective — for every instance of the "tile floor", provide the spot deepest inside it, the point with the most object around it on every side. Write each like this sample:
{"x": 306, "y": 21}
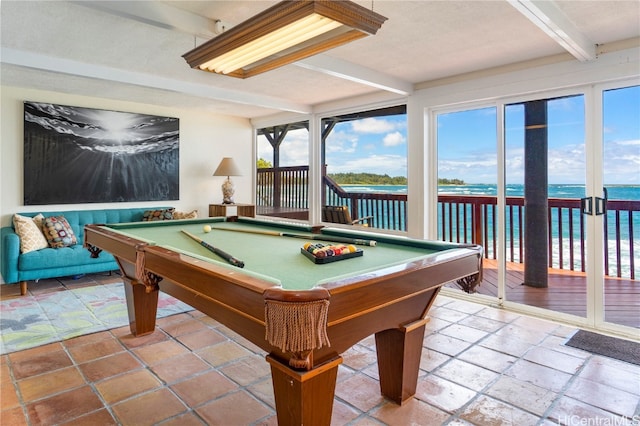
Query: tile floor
{"x": 480, "y": 366}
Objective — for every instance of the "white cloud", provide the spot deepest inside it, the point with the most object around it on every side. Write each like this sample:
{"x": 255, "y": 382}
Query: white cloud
{"x": 393, "y": 139}
{"x": 372, "y": 125}
{"x": 392, "y": 165}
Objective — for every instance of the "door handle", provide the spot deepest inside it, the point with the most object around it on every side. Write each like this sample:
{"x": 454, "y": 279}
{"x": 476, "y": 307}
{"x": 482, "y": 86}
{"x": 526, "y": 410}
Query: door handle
{"x": 601, "y": 203}
{"x": 586, "y": 205}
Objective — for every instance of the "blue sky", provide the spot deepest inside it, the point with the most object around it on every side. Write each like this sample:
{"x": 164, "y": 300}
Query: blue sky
{"x": 467, "y": 147}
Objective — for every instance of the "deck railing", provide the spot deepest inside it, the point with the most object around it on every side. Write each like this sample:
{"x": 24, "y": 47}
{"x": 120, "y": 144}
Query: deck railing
{"x": 473, "y": 219}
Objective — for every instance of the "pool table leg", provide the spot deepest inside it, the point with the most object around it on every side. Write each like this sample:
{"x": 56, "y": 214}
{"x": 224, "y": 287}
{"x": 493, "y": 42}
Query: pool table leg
{"x": 142, "y": 305}
{"x": 399, "y": 353}
{"x": 304, "y": 397}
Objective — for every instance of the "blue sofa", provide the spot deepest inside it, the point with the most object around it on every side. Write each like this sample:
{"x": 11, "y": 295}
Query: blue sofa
{"x": 19, "y": 267}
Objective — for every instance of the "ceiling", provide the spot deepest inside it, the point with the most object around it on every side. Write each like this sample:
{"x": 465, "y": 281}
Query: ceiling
{"x": 132, "y": 50}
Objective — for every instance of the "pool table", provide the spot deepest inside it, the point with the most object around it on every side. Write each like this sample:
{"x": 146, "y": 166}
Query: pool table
{"x": 303, "y": 314}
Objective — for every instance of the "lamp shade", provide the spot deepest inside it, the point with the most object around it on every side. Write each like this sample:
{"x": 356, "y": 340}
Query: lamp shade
{"x": 227, "y": 167}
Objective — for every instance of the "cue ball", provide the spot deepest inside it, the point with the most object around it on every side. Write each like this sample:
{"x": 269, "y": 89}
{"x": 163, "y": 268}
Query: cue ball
{"x": 206, "y": 228}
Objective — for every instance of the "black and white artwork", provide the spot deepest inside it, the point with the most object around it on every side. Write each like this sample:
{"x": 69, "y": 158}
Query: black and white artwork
{"x": 84, "y": 155}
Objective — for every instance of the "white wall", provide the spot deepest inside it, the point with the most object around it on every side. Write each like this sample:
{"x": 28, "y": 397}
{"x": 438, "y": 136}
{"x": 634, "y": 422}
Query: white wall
{"x": 204, "y": 139}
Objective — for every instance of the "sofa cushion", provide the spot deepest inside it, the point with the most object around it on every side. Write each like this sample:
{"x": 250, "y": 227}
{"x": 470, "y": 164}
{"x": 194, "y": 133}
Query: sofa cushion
{"x": 30, "y": 232}
{"x": 160, "y": 214}
{"x": 64, "y": 257}
{"x": 58, "y": 232}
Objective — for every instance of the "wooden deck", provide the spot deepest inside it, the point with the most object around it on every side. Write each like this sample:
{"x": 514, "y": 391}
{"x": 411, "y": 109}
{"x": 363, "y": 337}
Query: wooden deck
{"x": 566, "y": 293}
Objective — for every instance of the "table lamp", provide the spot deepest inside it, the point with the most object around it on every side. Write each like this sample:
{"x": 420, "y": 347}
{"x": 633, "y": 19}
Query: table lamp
{"x": 227, "y": 167}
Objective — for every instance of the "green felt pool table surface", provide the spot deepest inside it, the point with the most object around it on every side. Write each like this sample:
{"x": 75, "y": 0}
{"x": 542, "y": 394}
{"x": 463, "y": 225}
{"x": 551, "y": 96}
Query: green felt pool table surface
{"x": 275, "y": 258}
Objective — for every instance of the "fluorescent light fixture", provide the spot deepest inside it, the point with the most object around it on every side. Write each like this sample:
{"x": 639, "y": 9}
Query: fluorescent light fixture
{"x": 287, "y": 32}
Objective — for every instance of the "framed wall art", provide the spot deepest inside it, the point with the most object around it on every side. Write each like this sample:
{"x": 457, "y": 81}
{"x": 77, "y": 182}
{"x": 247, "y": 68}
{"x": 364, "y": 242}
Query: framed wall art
{"x": 84, "y": 155}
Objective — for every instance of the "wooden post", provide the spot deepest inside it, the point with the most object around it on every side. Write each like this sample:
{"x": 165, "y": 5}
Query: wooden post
{"x": 536, "y": 201}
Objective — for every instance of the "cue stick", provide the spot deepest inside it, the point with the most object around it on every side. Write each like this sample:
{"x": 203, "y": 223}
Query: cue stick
{"x": 357, "y": 241}
{"x": 226, "y": 256}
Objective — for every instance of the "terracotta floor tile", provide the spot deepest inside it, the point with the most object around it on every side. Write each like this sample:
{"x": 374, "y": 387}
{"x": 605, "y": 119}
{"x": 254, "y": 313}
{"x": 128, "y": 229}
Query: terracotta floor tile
{"x": 109, "y": 366}
{"x": 445, "y": 344}
{"x": 17, "y": 357}
{"x": 148, "y": 409}
{"x": 498, "y": 315}
{"x": 488, "y": 358}
{"x": 223, "y": 353}
{"x": 157, "y": 352}
{"x": 442, "y": 393}
{"x": 522, "y": 394}
{"x": 488, "y": 412}
{"x": 568, "y": 411}
{"x": 64, "y": 407}
{"x": 361, "y": 391}
{"x": 263, "y": 390}
{"x": 88, "y": 338}
{"x": 8, "y": 396}
{"x": 358, "y": 357}
{"x": 173, "y": 319}
{"x": 539, "y": 375}
{"x": 202, "y": 388}
{"x": 13, "y": 416}
{"x": 465, "y": 306}
{"x": 41, "y": 363}
{"x": 247, "y": 370}
{"x": 413, "y": 412}
{"x": 5, "y": 373}
{"x": 462, "y": 332}
{"x": 553, "y": 359}
{"x": 619, "y": 375}
{"x": 486, "y": 324}
{"x": 95, "y": 350}
{"x": 505, "y": 344}
{"x": 603, "y": 396}
{"x": 430, "y": 359}
{"x": 536, "y": 324}
{"x": 436, "y": 324}
{"x": 201, "y": 339}
{"x": 130, "y": 341}
{"x": 125, "y": 386}
{"x": 97, "y": 418}
{"x": 342, "y": 414}
{"x": 186, "y": 419}
{"x": 50, "y": 383}
{"x": 224, "y": 411}
{"x": 527, "y": 335}
{"x": 465, "y": 374}
{"x": 190, "y": 325}
{"x": 179, "y": 368}
{"x": 446, "y": 314}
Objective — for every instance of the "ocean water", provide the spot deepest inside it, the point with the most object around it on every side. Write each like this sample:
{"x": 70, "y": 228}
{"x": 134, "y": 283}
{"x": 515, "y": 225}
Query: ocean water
{"x": 623, "y": 239}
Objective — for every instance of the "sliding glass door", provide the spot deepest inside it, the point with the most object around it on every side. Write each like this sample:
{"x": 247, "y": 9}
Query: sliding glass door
{"x": 550, "y": 187}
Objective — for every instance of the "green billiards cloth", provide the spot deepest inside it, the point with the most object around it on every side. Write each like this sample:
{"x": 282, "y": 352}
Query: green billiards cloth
{"x": 274, "y": 258}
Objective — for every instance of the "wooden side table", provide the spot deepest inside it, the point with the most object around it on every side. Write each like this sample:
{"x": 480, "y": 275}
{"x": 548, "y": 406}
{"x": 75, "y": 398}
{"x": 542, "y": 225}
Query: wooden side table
{"x": 228, "y": 210}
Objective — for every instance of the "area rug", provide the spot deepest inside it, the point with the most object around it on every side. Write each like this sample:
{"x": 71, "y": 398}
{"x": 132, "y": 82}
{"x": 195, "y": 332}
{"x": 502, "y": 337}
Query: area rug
{"x": 612, "y": 347}
{"x": 31, "y": 321}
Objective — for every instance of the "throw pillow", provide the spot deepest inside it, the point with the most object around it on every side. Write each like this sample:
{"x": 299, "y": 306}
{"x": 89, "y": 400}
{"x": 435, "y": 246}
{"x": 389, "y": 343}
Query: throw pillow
{"x": 161, "y": 214}
{"x": 183, "y": 215}
{"x": 30, "y": 232}
{"x": 58, "y": 232}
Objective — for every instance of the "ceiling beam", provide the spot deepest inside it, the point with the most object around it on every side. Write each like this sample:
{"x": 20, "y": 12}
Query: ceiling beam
{"x": 356, "y": 73}
{"x": 546, "y": 16}
{"x": 82, "y": 69}
{"x": 159, "y": 15}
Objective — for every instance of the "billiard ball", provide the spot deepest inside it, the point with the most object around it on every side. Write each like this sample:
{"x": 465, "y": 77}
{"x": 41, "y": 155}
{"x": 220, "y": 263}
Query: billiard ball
{"x": 206, "y": 228}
